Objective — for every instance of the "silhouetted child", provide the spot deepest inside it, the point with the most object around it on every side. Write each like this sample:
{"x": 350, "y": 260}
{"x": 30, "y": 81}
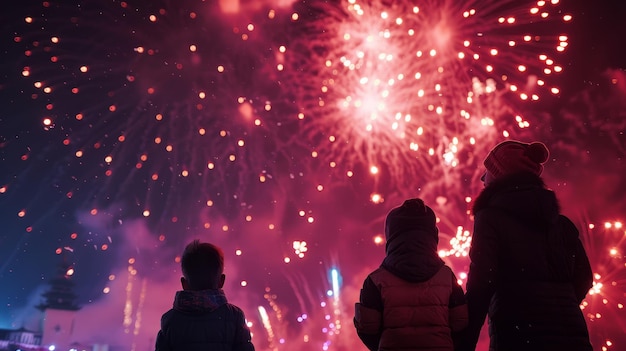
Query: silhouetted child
{"x": 412, "y": 301}
{"x": 202, "y": 318}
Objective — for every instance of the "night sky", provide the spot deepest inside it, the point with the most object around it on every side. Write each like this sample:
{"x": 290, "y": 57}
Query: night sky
{"x": 284, "y": 132}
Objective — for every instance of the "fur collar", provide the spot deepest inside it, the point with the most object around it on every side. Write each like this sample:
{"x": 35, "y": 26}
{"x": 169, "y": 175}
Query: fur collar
{"x": 510, "y": 183}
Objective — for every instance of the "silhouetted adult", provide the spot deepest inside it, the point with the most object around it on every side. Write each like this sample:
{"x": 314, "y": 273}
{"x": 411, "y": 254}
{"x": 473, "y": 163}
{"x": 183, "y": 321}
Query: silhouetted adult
{"x": 529, "y": 271}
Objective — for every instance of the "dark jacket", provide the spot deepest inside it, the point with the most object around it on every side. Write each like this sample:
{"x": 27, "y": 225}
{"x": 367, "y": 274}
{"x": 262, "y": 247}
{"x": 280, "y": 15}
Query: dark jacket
{"x": 529, "y": 271}
{"x": 203, "y": 320}
{"x": 413, "y": 301}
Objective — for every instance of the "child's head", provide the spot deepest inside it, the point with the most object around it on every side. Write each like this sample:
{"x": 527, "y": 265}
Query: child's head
{"x": 412, "y": 218}
{"x": 203, "y": 266}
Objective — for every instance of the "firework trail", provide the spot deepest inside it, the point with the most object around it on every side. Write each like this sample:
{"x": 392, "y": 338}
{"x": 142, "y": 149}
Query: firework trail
{"x": 319, "y": 319}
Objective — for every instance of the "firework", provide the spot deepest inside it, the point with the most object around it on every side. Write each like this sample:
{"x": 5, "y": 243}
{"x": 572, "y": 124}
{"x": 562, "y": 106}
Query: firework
{"x": 605, "y": 245}
{"x": 146, "y": 106}
{"x": 412, "y": 91}
{"x": 281, "y": 135}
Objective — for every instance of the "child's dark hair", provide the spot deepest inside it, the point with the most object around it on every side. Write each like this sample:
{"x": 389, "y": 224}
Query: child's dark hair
{"x": 202, "y": 265}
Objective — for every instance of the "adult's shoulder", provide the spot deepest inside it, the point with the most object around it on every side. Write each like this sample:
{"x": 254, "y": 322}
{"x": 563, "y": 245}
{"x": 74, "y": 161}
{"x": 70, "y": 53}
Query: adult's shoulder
{"x": 564, "y": 220}
{"x": 569, "y": 228}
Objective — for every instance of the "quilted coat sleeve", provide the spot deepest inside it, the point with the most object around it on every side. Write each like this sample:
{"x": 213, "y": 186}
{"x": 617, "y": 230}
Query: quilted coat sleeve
{"x": 457, "y": 307}
{"x": 368, "y": 315}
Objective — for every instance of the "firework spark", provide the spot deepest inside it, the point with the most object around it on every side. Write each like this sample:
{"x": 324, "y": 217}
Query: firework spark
{"x": 405, "y": 90}
{"x": 154, "y": 104}
{"x": 606, "y": 246}
{"x": 282, "y": 135}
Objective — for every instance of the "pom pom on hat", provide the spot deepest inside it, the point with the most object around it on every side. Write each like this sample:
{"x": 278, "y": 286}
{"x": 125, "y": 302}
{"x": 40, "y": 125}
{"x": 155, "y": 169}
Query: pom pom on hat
{"x": 511, "y": 156}
{"x": 537, "y": 152}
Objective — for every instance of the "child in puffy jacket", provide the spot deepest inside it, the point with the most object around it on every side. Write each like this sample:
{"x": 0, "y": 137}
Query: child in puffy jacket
{"x": 413, "y": 300}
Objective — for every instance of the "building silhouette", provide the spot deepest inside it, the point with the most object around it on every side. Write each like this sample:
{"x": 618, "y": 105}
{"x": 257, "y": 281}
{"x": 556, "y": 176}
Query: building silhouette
{"x": 20, "y": 339}
{"x": 59, "y": 309}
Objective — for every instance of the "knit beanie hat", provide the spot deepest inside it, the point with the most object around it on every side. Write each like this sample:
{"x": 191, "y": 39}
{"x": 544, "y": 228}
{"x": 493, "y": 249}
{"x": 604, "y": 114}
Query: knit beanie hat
{"x": 412, "y": 216}
{"x": 511, "y": 156}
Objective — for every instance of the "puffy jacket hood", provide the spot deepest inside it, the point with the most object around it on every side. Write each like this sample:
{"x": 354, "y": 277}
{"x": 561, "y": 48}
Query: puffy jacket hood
{"x": 412, "y": 238}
